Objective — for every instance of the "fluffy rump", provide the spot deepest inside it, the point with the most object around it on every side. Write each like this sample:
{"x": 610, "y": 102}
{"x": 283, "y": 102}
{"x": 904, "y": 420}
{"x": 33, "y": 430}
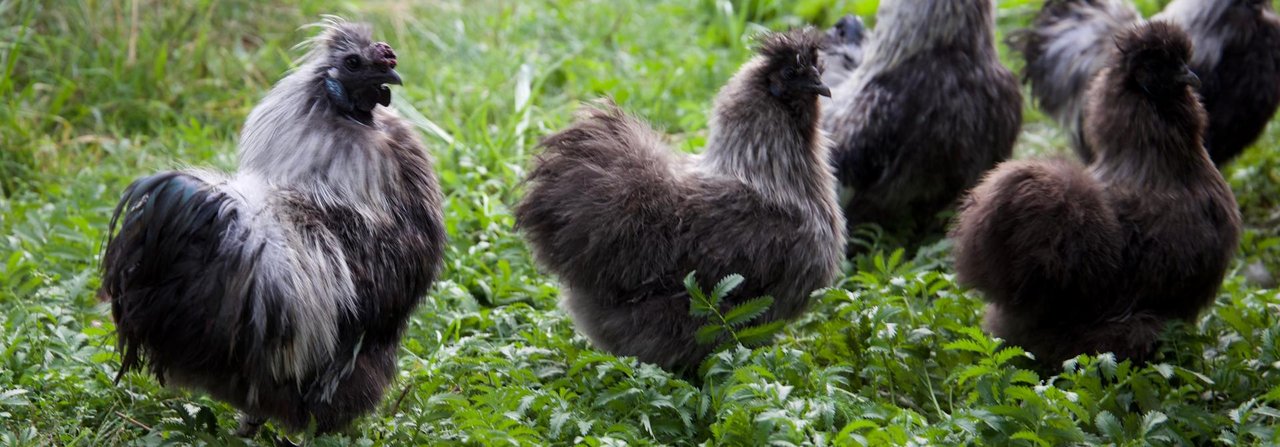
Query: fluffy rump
{"x": 1039, "y": 238}
{"x": 600, "y": 197}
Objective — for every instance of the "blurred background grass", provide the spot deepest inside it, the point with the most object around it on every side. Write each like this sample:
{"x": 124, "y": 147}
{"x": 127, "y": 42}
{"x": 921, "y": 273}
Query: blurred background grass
{"x": 96, "y": 93}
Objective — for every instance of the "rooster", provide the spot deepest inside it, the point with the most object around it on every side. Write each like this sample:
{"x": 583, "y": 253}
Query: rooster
{"x": 1075, "y": 260}
{"x": 620, "y": 217}
{"x": 926, "y": 114}
{"x": 1237, "y": 58}
{"x": 284, "y": 288}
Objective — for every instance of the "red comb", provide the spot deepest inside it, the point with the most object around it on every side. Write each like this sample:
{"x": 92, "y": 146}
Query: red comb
{"x": 383, "y": 53}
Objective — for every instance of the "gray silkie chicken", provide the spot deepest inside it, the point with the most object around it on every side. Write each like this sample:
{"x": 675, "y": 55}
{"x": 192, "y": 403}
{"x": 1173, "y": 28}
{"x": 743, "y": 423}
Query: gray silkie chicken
{"x": 284, "y": 288}
{"x": 1084, "y": 260}
{"x": 927, "y": 112}
{"x": 621, "y": 218}
{"x": 1237, "y": 58}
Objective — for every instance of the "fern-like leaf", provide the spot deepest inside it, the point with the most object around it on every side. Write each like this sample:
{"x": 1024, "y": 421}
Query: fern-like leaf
{"x": 757, "y": 335}
{"x": 699, "y": 306}
{"x": 747, "y": 311}
{"x": 708, "y": 334}
{"x": 722, "y": 289}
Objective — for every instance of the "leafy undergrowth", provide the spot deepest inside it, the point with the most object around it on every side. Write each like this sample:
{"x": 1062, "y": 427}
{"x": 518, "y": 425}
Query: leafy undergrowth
{"x": 97, "y": 93}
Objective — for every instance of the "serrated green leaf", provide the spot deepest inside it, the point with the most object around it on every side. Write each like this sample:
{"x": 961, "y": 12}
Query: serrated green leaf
{"x": 1109, "y": 425}
{"x": 724, "y": 287}
{"x": 708, "y": 334}
{"x": 1007, "y": 354}
{"x": 1152, "y": 420}
{"x": 699, "y": 306}
{"x": 966, "y": 345}
{"x": 1031, "y": 437}
{"x": 748, "y": 310}
{"x": 756, "y": 335}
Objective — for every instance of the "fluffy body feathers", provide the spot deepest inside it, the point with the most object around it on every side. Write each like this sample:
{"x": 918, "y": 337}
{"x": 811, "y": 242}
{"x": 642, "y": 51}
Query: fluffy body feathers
{"x": 925, "y": 115}
{"x": 1076, "y": 260}
{"x": 284, "y": 288}
{"x": 621, "y": 218}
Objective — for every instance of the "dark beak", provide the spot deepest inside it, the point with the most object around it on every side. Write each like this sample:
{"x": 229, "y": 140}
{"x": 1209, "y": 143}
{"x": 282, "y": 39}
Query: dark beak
{"x": 814, "y": 83}
{"x": 1189, "y": 78}
{"x": 822, "y": 90}
{"x": 389, "y": 76}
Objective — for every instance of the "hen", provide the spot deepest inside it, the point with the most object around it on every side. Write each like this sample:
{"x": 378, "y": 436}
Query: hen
{"x": 621, "y": 218}
{"x": 1076, "y": 260}
{"x": 925, "y": 115}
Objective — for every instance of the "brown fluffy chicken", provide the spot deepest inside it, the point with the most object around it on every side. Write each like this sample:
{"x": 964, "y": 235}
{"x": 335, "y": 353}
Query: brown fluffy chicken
{"x": 1076, "y": 260}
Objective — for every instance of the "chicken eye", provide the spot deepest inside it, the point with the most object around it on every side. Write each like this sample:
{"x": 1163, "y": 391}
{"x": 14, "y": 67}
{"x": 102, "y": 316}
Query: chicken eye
{"x": 352, "y": 62}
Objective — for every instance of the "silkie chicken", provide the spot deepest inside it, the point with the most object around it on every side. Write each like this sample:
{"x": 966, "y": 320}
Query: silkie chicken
{"x": 926, "y": 114}
{"x": 1237, "y": 58}
{"x": 621, "y": 218}
{"x": 284, "y": 288}
{"x": 1074, "y": 260}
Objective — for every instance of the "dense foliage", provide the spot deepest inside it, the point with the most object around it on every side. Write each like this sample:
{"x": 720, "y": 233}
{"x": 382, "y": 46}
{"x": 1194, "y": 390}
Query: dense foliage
{"x": 95, "y": 93}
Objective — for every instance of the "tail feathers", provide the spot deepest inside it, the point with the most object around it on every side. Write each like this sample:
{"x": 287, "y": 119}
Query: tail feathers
{"x": 1040, "y": 236}
{"x": 598, "y": 208}
{"x": 1065, "y": 47}
{"x": 606, "y": 138}
{"x": 173, "y": 276}
{"x": 161, "y": 219}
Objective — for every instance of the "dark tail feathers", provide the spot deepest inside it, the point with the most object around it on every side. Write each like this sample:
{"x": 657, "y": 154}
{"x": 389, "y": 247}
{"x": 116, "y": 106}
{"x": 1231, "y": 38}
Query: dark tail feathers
{"x": 170, "y": 225}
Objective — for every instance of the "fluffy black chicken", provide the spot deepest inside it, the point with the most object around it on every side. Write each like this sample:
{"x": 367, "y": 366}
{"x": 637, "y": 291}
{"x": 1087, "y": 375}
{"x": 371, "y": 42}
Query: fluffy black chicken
{"x": 845, "y": 50}
{"x": 925, "y": 115}
{"x": 1237, "y": 57}
{"x": 284, "y": 288}
{"x": 621, "y": 218}
{"x": 1074, "y": 260}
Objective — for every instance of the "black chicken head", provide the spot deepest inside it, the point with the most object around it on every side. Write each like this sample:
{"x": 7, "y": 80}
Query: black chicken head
{"x": 793, "y": 69}
{"x": 1155, "y": 56}
{"x": 357, "y": 71}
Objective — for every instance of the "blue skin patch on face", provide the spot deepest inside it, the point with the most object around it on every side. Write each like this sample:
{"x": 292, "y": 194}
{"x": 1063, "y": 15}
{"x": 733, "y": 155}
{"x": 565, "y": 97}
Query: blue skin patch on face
{"x": 338, "y": 94}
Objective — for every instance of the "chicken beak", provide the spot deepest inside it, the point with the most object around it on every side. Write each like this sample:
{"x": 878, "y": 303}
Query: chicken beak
{"x": 391, "y": 77}
{"x": 817, "y": 87}
{"x": 1189, "y": 77}
{"x": 387, "y": 76}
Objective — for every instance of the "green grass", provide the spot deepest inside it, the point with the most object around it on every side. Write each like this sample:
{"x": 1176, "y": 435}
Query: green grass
{"x": 94, "y": 94}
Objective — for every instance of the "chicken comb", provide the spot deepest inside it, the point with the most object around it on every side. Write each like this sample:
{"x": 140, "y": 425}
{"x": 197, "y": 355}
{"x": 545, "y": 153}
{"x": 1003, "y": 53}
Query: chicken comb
{"x": 383, "y": 53}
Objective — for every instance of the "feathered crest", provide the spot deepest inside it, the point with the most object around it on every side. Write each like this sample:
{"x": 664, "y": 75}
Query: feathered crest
{"x": 801, "y": 45}
{"x": 336, "y": 35}
{"x": 1155, "y": 39}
